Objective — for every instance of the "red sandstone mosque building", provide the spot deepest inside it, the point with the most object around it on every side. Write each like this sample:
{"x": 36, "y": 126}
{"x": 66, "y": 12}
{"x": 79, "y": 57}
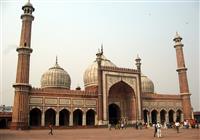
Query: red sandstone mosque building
{"x": 111, "y": 93}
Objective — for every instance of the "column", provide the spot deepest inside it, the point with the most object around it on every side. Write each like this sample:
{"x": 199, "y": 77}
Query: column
{"x": 158, "y": 117}
{"x": 182, "y": 117}
{"x": 43, "y": 119}
{"x": 84, "y": 119}
{"x": 71, "y": 119}
{"x": 57, "y": 118}
{"x": 150, "y": 119}
{"x": 133, "y": 109}
{"x": 166, "y": 117}
{"x": 174, "y": 117}
{"x": 96, "y": 119}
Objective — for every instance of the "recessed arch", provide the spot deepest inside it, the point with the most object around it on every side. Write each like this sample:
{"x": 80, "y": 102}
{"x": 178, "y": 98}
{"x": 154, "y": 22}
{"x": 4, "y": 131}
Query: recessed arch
{"x": 171, "y": 116}
{"x": 123, "y": 95}
{"x": 64, "y": 117}
{"x": 122, "y": 87}
{"x": 90, "y": 117}
{"x": 154, "y": 116}
{"x": 114, "y": 114}
{"x": 35, "y": 117}
{"x": 179, "y": 115}
{"x": 162, "y": 116}
{"x": 50, "y": 117}
{"x": 77, "y": 117}
{"x": 145, "y": 113}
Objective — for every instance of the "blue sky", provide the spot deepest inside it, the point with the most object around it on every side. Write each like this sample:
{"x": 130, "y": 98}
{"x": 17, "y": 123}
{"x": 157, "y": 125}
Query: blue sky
{"x": 74, "y": 30}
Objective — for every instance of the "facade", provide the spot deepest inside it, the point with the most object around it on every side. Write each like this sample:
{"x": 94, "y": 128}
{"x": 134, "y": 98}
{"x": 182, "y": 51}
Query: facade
{"x": 111, "y": 93}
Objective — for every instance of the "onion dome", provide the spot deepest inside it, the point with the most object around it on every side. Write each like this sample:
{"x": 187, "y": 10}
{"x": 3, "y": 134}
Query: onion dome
{"x": 90, "y": 77}
{"x": 56, "y": 77}
{"x": 147, "y": 85}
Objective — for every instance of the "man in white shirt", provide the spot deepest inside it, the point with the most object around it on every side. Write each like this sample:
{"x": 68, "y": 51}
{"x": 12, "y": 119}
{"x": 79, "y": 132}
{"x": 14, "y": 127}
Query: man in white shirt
{"x": 158, "y": 126}
{"x": 177, "y": 124}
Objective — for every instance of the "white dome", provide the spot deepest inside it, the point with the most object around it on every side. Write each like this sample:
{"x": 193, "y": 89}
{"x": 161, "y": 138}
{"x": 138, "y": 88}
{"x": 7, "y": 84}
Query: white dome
{"x": 147, "y": 85}
{"x": 90, "y": 76}
{"x": 56, "y": 77}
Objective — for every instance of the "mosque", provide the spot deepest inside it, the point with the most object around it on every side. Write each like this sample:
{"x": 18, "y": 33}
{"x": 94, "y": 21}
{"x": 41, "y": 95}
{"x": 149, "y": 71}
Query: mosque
{"x": 111, "y": 93}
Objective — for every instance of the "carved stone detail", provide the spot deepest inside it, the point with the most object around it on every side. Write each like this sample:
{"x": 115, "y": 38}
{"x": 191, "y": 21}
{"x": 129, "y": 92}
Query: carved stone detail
{"x": 51, "y": 101}
{"x": 35, "y": 100}
{"x": 64, "y": 101}
{"x": 160, "y": 105}
{"x": 77, "y": 102}
{"x": 90, "y": 102}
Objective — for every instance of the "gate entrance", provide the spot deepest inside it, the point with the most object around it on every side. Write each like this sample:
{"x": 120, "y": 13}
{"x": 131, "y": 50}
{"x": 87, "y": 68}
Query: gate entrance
{"x": 114, "y": 114}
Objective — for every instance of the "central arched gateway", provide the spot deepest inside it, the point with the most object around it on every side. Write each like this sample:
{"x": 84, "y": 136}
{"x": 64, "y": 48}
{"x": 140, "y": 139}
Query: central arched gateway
{"x": 114, "y": 114}
{"x": 122, "y": 103}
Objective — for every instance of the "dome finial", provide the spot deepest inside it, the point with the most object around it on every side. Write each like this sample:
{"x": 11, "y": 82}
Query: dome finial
{"x": 101, "y": 48}
{"x": 138, "y": 56}
{"x": 177, "y": 37}
{"x": 177, "y": 33}
{"x": 56, "y": 60}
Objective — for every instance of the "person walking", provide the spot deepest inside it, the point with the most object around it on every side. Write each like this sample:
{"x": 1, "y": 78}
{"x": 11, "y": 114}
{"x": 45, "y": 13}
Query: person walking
{"x": 51, "y": 129}
{"x": 177, "y": 125}
{"x": 158, "y": 126}
{"x": 155, "y": 130}
{"x": 109, "y": 126}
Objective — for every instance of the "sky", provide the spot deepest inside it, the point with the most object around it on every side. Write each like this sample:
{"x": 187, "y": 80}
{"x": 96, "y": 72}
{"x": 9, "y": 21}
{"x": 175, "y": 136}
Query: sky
{"x": 74, "y": 30}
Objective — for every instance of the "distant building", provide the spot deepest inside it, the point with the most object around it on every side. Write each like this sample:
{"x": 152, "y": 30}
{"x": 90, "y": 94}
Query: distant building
{"x": 5, "y": 116}
{"x": 111, "y": 94}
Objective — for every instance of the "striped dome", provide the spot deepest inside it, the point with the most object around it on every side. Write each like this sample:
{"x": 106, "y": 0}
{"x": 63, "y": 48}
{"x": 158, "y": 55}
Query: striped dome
{"x": 147, "y": 85}
{"x": 56, "y": 77}
{"x": 90, "y": 77}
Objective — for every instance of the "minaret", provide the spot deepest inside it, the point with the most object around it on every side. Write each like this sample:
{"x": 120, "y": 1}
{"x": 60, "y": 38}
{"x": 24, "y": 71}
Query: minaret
{"x": 139, "y": 110}
{"x": 182, "y": 75}
{"x": 22, "y": 86}
{"x": 100, "y": 95}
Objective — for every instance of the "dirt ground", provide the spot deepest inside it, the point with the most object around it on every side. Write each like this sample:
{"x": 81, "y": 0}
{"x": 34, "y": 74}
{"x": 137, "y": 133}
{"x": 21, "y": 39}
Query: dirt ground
{"x": 99, "y": 134}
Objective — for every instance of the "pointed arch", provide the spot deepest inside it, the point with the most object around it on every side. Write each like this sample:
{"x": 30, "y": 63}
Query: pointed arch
{"x": 154, "y": 116}
{"x": 50, "y": 117}
{"x": 77, "y": 117}
{"x": 171, "y": 116}
{"x": 122, "y": 87}
{"x": 163, "y": 116}
{"x": 90, "y": 117}
{"x": 123, "y": 94}
{"x": 64, "y": 117}
{"x": 145, "y": 113}
{"x": 179, "y": 115}
{"x": 114, "y": 114}
{"x": 35, "y": 117}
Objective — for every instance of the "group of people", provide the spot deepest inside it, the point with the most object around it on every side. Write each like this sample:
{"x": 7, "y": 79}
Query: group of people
{"x": 158, "y": 126}
{"x": 121, "y": 124}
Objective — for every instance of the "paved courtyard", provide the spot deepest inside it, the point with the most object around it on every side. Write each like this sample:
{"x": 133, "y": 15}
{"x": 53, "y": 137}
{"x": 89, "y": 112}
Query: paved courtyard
{"x": 99, "y": 134}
